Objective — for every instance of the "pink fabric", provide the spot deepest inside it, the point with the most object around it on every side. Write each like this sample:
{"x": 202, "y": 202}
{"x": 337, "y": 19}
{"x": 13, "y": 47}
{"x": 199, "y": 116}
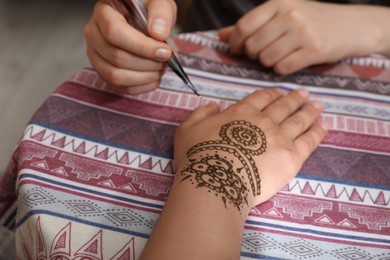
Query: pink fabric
{"x": 92, "y": 171}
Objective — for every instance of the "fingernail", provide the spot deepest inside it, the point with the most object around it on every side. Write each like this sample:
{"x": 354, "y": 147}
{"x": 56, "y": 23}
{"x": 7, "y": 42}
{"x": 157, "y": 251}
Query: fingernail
{"x": 163, "y": 53}
{"x": 303, "y": 92}
{"x": 318, "y": 105}
{"x": 159, "y": 26}
{"x": 281, "y": 91}
{"x": 129, "y": 90}
{"x": 212, "y": 104}
{"x": 324, "y": 125}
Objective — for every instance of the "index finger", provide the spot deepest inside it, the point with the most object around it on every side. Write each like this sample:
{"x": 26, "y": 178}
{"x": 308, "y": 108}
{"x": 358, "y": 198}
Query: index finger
{"x": 249, "y": 24}
{"x": 257, "y": 101}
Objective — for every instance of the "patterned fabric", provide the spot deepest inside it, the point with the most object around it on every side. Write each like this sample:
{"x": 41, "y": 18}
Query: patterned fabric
{"x": 94, "y": 167}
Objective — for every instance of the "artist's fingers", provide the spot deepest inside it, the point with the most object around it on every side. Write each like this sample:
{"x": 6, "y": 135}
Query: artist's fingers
{"x": 308, "y": 142}
{"x": 279, "y": 49}
{"x": 249, "y": 24}
{"x": 299, "y": 122}
{"x": 224, "y": 33}
{"x": 116, "y": 56}
{"x": 119, "y": 78}
{"x": 118, "y": 32}
{"x": 264, "y": 37}
{"x": 135, "y": 90}
{"x": 262, "y": 98}
{"x": 161, "y": 18}
{"x": 285, "y": 106}
{"x": 202, "y": 113}
{"x": 297, "y": 60}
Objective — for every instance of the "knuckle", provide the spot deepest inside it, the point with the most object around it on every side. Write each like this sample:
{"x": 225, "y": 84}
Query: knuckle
{"x": 269, "y": 95}
{"x": 308, "y": 33}
{"x": 241, "y": 108}
{"x": 265, "y": 59}
{"x": 266, "y": 120}
{"x": 183, "y": 127}
{"x": 241, "y": 27}
{"x": 310, "y": 143}
{"x": 294, "y": 16}
{"x": 87, "y": 31}
{"x": 115, "y": 77}
{"x": 286, "y": 67}
{"x": 249, "y": 46}
{"x": 282, "y": 68}
{"x": 318, "y": 47}
{"x": 116, "y": 58}
{"x": 298, "y": 124}
{"x": 111, "y": 32}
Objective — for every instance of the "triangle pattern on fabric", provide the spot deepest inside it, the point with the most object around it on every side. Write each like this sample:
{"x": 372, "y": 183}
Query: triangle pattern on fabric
{"x": 346, "y": 223}
{"x": 93, "y": 248}
{"x": 126, "y": 253}
{"x": 112, "y": 124}
{"x": 60, "y": 171}
{"x": 340, "y": 161}
{"x": 61, "y": 109}
{"x": 324, "y": 219}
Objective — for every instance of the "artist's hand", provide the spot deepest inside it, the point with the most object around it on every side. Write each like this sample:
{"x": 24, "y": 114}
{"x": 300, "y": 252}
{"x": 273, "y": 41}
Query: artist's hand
{"x": 267, "y": 136}
{"x": 289, "y": 35}
{"x": 127, "y": 59}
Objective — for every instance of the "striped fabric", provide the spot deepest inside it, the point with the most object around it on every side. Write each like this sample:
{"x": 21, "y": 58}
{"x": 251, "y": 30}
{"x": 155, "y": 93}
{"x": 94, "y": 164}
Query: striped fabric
{"x": 94, "y": 167}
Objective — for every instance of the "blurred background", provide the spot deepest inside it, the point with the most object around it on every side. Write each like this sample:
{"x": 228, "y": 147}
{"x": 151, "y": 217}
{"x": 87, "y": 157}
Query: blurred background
{"x": 41, "y": 45}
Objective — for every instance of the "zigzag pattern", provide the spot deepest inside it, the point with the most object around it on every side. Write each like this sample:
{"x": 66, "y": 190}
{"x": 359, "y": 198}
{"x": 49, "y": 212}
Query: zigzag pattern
{"x": 339, "y": 192}
{"x": 306, "y": 79}
{"x": 207, "y": 39}
{"x": 98, "y": 151}
{"x": 211, "y": 40}
{"x": 222, "y": 94}
{"x": 371, "y": 61}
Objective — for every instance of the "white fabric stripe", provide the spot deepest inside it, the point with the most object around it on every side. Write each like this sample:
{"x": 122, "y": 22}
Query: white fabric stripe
{"x": 93, "y": 148}
{"x": 82, "y": 187}
{"x": 343, "y": 192}
{"x": 317, "y": 229}
{"x": 320, "y": 187}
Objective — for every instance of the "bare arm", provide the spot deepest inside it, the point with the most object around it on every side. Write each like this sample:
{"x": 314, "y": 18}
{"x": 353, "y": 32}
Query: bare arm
{"x": 289, "y": 35}
{"x": 228, "y": 162}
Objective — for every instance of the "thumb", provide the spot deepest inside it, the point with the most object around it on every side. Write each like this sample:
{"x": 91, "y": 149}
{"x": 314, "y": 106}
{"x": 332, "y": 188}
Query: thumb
{"x": 161, "y": 18}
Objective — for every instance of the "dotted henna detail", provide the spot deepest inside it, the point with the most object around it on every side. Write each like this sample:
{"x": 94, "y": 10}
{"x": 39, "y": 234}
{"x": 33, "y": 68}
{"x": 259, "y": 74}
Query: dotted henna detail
{"x": 209, "y": 166}
{"x": 218, "y": 175}
{"x": 245, "y": 135}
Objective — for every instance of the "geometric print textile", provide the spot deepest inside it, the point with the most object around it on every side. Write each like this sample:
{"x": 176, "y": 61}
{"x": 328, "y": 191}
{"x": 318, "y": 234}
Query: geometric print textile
{"x": 90, "y": 175}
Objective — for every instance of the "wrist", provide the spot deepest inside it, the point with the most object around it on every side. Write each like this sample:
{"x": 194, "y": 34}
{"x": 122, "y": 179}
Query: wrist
{"x": 194, "y": 219}
{"x": 376, "y": 20}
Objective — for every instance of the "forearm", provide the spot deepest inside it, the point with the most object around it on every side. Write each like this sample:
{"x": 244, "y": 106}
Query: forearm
{"x": 372, "y": 23}
{"x": 383, "y": 21}
{"x": 225, "y": 165}
{"x": 195, "y": 224}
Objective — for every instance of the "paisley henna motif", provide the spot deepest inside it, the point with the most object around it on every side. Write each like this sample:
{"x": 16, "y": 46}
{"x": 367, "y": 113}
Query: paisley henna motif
{"x": 210, "y": 167}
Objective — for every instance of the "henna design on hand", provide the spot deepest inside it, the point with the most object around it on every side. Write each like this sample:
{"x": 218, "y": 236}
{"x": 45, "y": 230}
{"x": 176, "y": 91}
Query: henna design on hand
{"x": 210, "y": 167}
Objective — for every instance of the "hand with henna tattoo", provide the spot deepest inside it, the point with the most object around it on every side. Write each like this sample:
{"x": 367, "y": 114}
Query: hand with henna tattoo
{"x": 228, "y": 162}
{"x": 264, "y": 139}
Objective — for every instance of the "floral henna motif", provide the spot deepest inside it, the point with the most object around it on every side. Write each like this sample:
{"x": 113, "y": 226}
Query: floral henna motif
{"x": 210, "y": 167}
